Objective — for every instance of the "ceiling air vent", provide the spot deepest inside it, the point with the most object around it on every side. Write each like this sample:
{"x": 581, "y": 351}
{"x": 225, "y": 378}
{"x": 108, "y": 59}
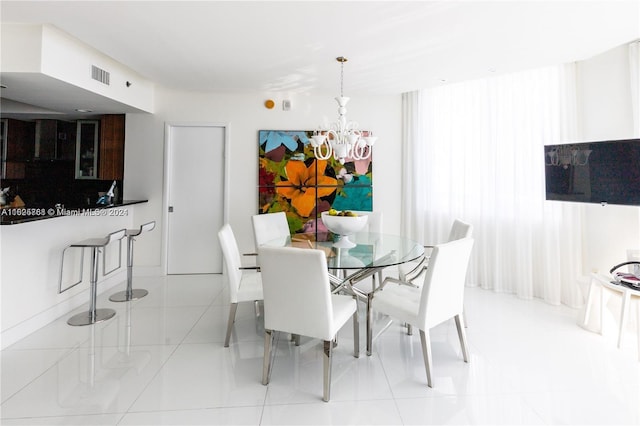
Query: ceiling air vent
{"x": 100, "y": 75}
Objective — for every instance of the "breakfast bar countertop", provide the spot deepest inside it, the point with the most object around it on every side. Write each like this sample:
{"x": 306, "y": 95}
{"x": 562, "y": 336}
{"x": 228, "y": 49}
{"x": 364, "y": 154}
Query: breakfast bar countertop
{"x": 18, "y": 215}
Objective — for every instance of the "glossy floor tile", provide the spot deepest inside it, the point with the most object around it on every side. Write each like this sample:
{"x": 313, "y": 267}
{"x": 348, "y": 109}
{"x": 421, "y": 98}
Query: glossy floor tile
{"x": 161, "y": 361}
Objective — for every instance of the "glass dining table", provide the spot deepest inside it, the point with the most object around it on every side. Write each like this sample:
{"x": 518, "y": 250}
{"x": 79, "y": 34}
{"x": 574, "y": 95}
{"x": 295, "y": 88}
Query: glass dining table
{"x": 372, "y": 253}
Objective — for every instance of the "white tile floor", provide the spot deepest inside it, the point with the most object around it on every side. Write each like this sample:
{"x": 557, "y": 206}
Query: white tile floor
{"x": 160, "y": 361}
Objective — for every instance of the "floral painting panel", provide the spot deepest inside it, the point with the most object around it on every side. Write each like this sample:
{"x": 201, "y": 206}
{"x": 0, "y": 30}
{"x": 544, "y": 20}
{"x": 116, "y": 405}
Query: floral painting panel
{"x": 292, "y": 180}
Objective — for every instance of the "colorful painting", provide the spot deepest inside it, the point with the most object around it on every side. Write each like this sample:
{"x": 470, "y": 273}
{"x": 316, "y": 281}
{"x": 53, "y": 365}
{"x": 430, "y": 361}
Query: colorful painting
{"x": 292, "y": 180}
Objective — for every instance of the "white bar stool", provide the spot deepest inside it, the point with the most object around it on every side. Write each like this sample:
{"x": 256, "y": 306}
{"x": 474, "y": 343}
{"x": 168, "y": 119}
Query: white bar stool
{"x": 93, "y": 315}
{"x": 131, "y": 294}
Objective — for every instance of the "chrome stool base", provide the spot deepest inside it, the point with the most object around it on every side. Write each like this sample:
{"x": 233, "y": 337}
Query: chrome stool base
{"x": 84, "y": 318}
{"x": 93, "y": 315}
{"x": 131, "y": 294}
{"x": 122, "y": 296}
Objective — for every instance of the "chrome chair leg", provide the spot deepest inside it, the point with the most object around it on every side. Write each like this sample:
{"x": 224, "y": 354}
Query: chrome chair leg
{"x": 267, "y": 362}
{"x": 327, "y": 358}
{"x": 462, "y": 335}
{"x": 356, "y": 333}
{"x": 426, "y": 354}
{"x": 369, "y": 324}
{"x": 232, "y": 318}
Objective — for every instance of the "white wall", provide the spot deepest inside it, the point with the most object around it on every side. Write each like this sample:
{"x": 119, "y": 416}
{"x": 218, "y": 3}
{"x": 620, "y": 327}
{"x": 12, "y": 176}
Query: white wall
{"x": 604, "y": 96}
{"x": 245, "y": 115}
{"x": 21, "y": 48}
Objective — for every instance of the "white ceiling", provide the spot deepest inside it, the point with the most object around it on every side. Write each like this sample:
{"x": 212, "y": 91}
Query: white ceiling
{"x": 392, "y": 46}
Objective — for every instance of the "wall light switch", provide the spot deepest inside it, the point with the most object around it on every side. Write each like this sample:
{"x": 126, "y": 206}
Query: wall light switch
{"x": 286, "y": 105}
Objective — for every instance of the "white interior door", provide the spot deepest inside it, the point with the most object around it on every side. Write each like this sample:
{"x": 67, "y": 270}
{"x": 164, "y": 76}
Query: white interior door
{"x": 196, "y": 169}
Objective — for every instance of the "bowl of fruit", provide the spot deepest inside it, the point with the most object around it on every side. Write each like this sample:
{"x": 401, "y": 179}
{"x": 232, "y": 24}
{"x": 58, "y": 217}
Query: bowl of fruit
{"x": 343, "y": 223}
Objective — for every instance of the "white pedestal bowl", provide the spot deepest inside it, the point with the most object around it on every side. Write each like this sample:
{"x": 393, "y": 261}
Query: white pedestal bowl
{"x": 344, "y": 226}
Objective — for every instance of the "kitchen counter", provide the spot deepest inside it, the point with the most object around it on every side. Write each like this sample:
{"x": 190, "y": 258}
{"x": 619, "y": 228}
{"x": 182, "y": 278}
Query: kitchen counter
{"x": 31, "y": 260}
{"x": 15, "y": 216}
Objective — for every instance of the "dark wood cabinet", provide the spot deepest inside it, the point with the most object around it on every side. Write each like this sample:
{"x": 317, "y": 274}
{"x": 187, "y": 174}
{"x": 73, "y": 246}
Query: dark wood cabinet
{"x": 55, "y": 140}
{"x": 111, "y": 156}
{"x": 17, "y": 147}
{"x": 96, "y": 146}
{"x": 46, "y": 134}
{"x": 20, "y": 136}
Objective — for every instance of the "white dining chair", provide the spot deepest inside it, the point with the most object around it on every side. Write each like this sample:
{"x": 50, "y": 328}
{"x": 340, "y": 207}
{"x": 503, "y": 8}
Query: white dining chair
{"x": 439, "y": 299}
{"x": 245, "y": 284}
{"x": 269, "y": 227}
{"x": 298, "y": 300}
{"x": 411, "y": 271}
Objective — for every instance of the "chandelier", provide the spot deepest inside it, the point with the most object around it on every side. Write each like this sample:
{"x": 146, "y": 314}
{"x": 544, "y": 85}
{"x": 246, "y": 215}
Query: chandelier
{"x": 567, "y": 155}
{"x": 342, "y": 139}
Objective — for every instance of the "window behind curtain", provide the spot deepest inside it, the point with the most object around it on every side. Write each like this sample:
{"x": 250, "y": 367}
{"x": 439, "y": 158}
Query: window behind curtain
{"x": 481, "y": 160}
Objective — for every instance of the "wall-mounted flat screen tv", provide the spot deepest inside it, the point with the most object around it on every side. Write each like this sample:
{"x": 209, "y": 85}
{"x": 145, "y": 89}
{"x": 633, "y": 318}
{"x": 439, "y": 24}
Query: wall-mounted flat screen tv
{"x": 606, "y": 172}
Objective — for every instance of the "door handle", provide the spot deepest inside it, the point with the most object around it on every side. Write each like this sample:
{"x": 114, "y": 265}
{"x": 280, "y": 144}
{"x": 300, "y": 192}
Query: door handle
{"x": 170, "y": 209}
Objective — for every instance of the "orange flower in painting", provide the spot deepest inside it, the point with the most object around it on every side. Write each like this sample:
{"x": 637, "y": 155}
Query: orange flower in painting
{"x": 304, "y": 186}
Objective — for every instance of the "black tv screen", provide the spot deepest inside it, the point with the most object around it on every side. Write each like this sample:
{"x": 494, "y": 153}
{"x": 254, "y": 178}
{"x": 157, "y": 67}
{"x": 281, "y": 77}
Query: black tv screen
{"x": 594, "y": 172}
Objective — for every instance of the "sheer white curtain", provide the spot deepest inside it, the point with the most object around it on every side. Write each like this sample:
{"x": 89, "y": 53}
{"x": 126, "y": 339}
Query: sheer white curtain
{"x": 474, "y": 151}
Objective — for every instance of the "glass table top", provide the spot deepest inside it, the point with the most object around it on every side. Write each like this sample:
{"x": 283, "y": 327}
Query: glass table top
{"x": 370, "y": 250}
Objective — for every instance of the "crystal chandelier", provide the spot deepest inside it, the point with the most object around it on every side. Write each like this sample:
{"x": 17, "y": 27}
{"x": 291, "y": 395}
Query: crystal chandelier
{"x": 342, "y": 139}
